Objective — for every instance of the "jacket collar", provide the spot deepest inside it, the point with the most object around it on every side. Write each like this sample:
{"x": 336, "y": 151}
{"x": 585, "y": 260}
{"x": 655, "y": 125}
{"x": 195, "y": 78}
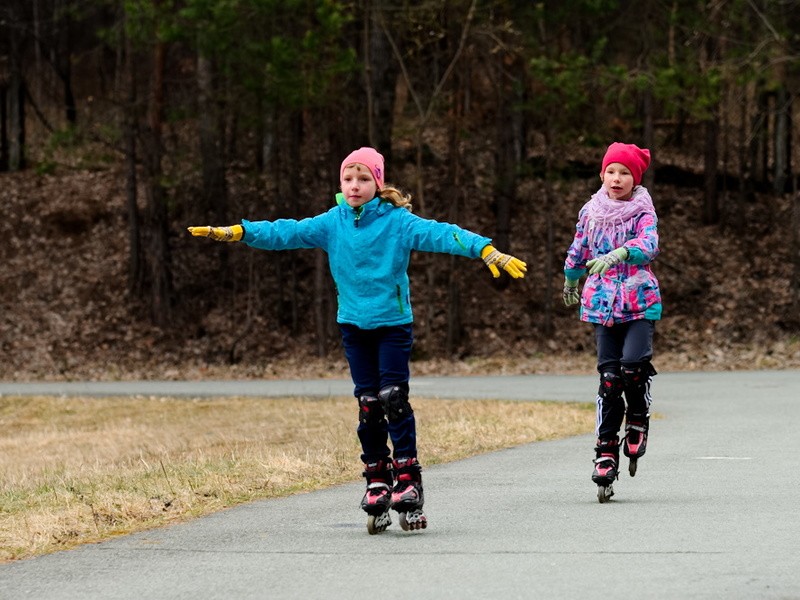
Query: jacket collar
{"x": 376, "y": 205}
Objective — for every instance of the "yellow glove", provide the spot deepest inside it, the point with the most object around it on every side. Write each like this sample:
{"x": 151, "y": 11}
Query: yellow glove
{"x": 494, "y": 258}
{"x": 232, "y": 233}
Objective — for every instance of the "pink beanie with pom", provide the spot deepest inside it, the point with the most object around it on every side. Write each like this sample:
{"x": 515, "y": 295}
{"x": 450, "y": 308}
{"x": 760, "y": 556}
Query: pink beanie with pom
{"x": 370, "y": 158}
{"x": 636, "y": 159}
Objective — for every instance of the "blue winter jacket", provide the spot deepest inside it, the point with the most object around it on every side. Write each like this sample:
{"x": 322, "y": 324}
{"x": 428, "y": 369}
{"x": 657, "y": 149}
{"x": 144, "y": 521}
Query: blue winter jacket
{"x": 368, "y": 251}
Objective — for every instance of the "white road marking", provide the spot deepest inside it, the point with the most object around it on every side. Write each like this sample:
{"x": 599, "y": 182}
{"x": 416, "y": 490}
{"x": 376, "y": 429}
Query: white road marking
{"x": 724, "y": 458}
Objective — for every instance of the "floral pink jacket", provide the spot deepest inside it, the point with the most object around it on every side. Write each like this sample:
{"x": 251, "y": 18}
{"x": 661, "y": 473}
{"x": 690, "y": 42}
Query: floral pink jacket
{"x": 627, "y": 291}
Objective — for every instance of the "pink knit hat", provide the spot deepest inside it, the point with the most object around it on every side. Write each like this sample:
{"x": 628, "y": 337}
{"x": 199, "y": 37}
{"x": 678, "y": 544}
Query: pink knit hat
{"x": 636, "y": 159}
{"x": 370, "y": 158}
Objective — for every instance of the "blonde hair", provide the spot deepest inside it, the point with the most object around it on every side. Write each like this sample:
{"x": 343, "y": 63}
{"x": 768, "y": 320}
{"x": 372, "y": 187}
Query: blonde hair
{"x": 394, "y": 196}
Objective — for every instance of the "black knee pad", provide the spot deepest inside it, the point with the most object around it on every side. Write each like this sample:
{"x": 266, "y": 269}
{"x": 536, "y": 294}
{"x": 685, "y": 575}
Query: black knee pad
{"x": 636, "y": 377}
{"x": 394, "y": 400}
{"x": 370, "y": 410}
{"x": 610, "y": 386}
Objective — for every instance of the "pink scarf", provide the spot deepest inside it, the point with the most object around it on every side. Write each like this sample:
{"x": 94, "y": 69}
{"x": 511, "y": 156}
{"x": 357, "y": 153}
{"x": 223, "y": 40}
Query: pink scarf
{"x": 604, "y": 215}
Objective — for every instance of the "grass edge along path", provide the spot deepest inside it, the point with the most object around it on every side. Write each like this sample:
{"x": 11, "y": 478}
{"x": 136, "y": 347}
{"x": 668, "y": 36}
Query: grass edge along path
{"x": 75, "y": 470}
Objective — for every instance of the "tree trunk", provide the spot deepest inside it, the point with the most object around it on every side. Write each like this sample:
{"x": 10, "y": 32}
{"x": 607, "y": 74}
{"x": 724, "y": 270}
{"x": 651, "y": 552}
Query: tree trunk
{"x": 782, "y": 140}
{"x": 648, "y": 137}
{"x": 549, "y": 250}
{"x": 294, "y": 193}
{"x": 266, "y": 138}
{"x": 62, "y": 59}
{"x": 758, "y": 144}
{"x": 381, "y": 79}
{"x": 734, "y": 216}
{"x": 16, "y": 92}
{"x": 710, "y": 153}
{"x": 646, "y": 98}
{"x": 454, "y": 333}
{"x": 135, "y": 257}
{"x": 37, "y": 49}
{"x": 505, "y": 183}
{"x": 158, "y": 253}
{"x": 795, "y": 262}
{"x": 288, "y": 162}
{"x": 214, "y": 193}
{"x": 3, "y": 127}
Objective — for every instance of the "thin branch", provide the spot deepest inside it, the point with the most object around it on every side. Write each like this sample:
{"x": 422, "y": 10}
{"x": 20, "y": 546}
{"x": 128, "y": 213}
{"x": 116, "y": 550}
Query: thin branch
{"x": 769, "y": 26}
{"x": 425, "y": 113}
{"x": 402, "y": 63}
{"x": 38, "y": 112}
{"x": 456, "y": 57}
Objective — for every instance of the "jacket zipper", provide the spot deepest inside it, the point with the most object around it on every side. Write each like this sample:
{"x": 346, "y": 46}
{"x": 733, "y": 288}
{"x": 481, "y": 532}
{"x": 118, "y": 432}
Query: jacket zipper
{"x": 359, "y": 211}
{"x": 399, "y": 299}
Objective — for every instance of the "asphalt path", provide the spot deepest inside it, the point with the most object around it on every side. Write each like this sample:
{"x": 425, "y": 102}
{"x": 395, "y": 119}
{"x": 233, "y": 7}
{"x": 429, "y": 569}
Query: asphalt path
{"x": 712, "y": 512}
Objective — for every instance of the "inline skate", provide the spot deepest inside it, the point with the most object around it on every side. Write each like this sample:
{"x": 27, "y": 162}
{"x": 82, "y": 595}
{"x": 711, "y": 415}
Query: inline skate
{"x": 407, "y": 495}
{"x": 377, "y": 499}
{"x": 605, "y": 468}
{"x": 635, "y": 443}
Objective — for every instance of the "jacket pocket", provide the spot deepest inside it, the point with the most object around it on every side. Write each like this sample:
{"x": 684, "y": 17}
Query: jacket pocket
{"x": 638, "y": 292}
{"x": 400, "y": 298}
{"x": 597, "y": 299}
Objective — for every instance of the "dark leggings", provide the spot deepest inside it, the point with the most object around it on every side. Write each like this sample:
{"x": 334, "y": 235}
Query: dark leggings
{"x": 627, "y": 343}
{"x": 624, "y": 352}
{"x": 379, "y": 360}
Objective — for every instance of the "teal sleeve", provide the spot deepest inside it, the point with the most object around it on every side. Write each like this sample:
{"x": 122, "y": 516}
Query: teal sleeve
{"x": 286, "y": 234}
{"x": 635, "y": 256}
{"x": 427, "y": 235}
{"x": 574, "y": 274}
{"x": 653, "y": 312}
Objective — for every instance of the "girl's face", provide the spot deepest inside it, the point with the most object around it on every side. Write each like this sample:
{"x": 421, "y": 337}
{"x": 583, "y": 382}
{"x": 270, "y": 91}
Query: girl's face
{"x": 358, "y": 185}
{"x": 618, "y": 181}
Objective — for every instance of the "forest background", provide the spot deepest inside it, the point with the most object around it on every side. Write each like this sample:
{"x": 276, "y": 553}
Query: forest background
{"x": 125, "y": 121}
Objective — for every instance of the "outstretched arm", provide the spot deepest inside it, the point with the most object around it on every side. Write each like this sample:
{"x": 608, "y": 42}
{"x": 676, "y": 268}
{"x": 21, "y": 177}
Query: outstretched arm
{"x": 232, "y": 233}
{"x": 282, "y": 234}
{"x": 428, "y": 235}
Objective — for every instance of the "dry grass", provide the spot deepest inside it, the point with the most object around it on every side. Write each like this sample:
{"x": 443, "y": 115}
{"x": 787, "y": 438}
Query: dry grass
{"x": 77, "y": 470}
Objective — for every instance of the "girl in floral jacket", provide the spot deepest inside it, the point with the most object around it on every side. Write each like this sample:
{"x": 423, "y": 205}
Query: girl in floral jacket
{"x": 616, "y": 239}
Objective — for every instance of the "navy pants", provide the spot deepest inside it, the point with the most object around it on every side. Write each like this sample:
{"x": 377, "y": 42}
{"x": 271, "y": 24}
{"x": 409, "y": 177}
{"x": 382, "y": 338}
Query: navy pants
{"x": 379, "y": 360}
{"x": 624, "y": 352}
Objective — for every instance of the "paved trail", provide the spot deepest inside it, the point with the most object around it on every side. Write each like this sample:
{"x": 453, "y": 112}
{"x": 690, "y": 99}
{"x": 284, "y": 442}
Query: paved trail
{"x": 712, "y": 512}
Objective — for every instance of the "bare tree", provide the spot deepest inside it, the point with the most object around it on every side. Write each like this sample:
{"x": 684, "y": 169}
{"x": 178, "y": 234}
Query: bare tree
{"x": 380, "y": 80}
{"x": 3, "y": 125}
{"x": 782, "y": 168}
{"x": 425, "y": 110}
{"x": 16, "y": 87}
{"x": 129, "y": 129}
{"x": 61, "y": 57}
{"x": 158, "y": 252}
{"x": 214, "y": 194}
{"x": 795, "y": 261}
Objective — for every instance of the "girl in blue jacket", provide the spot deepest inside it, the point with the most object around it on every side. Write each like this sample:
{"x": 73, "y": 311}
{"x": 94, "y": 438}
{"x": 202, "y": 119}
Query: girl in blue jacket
{"x": 369, "y": 236}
